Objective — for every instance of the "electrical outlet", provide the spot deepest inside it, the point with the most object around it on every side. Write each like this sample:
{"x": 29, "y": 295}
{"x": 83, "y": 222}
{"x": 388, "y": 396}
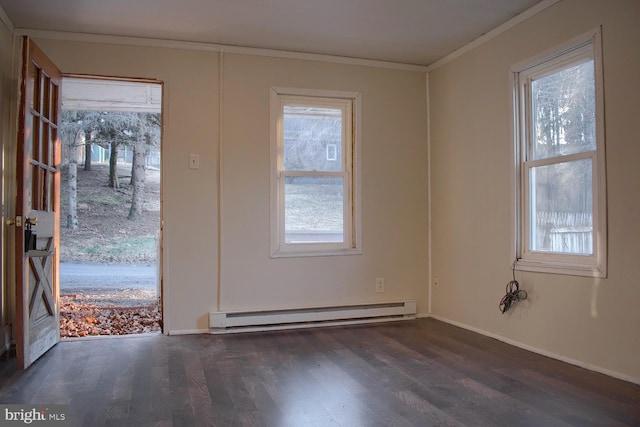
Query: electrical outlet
{"x": 380, "y": 284}
{"x": 436, "y": 282}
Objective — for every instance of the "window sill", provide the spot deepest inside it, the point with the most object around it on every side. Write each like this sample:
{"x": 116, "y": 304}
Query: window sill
{"x": 561, "y": 268}
{"x": 296, "y": 253}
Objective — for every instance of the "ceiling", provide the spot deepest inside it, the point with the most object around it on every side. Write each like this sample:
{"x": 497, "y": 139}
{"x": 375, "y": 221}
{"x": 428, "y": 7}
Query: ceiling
{"x": 404, "y": 31}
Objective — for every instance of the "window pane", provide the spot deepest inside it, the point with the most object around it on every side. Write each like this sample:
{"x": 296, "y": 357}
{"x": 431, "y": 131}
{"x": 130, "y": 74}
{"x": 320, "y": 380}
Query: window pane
{"x": 562, "y": 208}
{"x": 563, "y": 112}
{"x": 313, "y": 209}
{"x": 312, "y": 138}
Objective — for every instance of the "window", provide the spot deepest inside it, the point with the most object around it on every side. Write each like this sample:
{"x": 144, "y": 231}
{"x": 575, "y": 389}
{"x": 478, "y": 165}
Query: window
{"x": 561, "y": 220}
{"x": 332, "y": 152}
{"x": 314, "y": 197}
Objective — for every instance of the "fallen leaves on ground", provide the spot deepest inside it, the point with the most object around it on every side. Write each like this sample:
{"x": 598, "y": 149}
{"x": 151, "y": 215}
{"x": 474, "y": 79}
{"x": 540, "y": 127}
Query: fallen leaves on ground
{"x": 81, "y": 319}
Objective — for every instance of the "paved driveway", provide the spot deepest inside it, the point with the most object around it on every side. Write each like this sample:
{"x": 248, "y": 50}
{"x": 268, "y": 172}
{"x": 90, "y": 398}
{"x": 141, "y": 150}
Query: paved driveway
{"x": 107, "y": 276}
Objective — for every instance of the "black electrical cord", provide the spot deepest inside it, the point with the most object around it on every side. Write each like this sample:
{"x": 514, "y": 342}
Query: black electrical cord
{"x": 514, "y": 293}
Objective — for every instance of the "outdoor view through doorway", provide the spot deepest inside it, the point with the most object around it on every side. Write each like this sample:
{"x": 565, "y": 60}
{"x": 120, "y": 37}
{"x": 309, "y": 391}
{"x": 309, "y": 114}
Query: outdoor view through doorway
{"x": 110, "y": 207}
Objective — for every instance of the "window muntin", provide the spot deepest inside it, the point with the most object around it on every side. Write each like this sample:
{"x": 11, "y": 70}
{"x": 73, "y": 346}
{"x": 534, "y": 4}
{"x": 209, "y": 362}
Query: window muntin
{"x": 313, "y": 182}
{"x": 562, "y": 221}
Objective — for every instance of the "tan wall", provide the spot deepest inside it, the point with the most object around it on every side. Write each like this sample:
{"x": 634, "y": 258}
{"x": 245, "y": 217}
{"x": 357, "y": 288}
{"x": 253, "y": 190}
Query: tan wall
{"x": 594, "y": 322}
{"x": 394, "y": 189}
{"x": 190, "y": 126}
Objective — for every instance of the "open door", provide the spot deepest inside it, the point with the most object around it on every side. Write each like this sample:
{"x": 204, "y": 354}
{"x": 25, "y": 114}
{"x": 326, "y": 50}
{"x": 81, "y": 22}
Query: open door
{"x": 37, "y": 206}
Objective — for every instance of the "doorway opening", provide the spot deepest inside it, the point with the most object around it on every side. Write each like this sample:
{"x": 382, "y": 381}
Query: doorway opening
{"x": 110, "y": 207}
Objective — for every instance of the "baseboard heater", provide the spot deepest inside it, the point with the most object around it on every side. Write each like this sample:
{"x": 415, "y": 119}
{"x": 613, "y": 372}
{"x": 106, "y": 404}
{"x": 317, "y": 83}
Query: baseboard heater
{"x": 221, "y": 322}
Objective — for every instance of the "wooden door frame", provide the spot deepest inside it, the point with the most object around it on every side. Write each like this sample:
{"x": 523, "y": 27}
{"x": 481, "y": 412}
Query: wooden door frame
{"x": 5, "y": 321}
{"x": 160, "y": 265}
{"x": 9, "y": 137}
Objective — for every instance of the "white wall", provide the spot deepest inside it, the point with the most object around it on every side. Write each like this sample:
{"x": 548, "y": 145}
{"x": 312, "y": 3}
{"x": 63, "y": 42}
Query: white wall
{"x": 394, "y": 180}
{"x": 593, "y": 322}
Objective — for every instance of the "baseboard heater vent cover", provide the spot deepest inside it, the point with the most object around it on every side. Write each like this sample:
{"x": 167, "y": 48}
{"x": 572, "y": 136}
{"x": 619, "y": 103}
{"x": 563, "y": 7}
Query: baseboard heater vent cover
{"x": 224, "y": 322}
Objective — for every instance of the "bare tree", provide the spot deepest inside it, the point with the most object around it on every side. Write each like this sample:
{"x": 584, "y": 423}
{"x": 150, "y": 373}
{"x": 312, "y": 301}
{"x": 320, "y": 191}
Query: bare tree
{"x": 114, "y": 182}
{"x": 138, "y": 173}
{"x": 88, "y": 135}
{"x": 75, "y": 125}
{"x": 72, "y": 183}
{"x": 148, "y": 133}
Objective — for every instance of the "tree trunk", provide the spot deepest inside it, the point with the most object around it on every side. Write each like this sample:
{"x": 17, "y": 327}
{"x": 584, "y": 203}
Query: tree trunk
{"x": 87, "y": 149}
{"x": 72, "y": 183}
{"x": 113, "y": 167}
{"x": 138, "y": 178}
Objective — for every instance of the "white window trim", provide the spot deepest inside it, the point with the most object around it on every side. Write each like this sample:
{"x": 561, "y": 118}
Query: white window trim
{"x": 352, "y": 220}
{"x": 578, "y": 265}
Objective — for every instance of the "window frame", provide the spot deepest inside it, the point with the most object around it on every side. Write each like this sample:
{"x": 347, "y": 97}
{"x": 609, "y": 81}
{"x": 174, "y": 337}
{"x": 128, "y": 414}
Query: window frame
{"x": 585, "y": 47}
{"x": 349, "y": 104}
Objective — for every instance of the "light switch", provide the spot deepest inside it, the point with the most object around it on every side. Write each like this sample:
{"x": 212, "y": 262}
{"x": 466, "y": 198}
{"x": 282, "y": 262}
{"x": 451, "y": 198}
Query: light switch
{"x": 194, "y": 161}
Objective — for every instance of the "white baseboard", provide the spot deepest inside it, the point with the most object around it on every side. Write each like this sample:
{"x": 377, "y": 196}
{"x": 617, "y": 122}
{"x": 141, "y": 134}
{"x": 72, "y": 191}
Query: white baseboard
{"x": 546, "y": 353}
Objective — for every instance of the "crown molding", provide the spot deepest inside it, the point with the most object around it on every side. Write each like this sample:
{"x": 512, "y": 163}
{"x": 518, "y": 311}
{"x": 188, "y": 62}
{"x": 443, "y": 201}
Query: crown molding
{"x": 273, "y": 53}
{"x": 6, "y": 20}
{"x": 534, "y": 10}
{"x": 211, "y": 47}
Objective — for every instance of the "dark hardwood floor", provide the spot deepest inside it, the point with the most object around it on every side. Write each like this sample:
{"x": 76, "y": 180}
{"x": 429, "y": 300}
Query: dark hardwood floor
{"x": 415, "y": 373}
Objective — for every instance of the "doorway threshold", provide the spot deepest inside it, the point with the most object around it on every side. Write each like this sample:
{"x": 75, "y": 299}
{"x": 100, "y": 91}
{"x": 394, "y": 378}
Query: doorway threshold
{"x": 104, "y": 337}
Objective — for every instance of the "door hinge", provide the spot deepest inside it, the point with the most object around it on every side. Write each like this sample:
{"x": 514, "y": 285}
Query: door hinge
{"x": 17, "y": 221}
